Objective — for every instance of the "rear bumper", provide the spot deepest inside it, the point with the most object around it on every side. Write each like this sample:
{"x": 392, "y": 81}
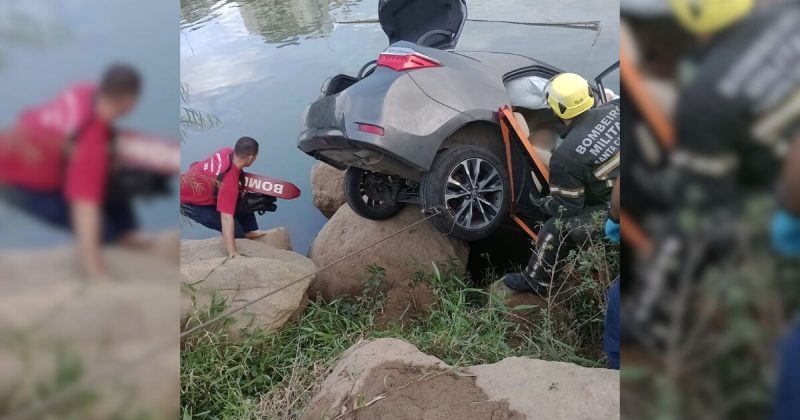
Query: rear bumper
{"x": 414, "y": 126}
{"x": 332, "y": 146}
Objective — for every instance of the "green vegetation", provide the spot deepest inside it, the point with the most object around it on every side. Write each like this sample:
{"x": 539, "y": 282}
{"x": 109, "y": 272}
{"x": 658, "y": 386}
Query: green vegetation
{"x": 262, "y": 374}
{"x": 717, "y": 336}
{"x": 194, "y": 119}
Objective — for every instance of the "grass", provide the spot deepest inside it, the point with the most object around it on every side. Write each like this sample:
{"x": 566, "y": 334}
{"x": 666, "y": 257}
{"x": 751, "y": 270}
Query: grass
{"x": 722, "y": 323}
{"x": 275, "y": 374}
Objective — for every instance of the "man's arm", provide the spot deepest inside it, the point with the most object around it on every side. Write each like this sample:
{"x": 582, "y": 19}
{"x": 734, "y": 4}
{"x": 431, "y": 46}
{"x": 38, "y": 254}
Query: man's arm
{"x": 86, "y": 177}
{"x": 706, "y": 164}
{"x": 227, "y": 234}
{"x": 567, "y": 190}
{"x": 86, "y": 224}
{"x": 227, "y": 196}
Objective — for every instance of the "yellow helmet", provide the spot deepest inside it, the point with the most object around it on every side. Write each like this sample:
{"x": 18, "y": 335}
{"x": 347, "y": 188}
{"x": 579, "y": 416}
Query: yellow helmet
{"x": 569, "y": 95}
{"x": 703, "y": 17}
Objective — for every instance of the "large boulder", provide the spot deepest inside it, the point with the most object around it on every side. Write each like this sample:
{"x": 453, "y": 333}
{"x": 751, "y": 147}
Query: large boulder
{"x": 277, "y": 238}
{"x": 551, "y": 390}
{"x": 400, "y": 257}
{"x": 327, "y": 187}
{"x": 206, "y": 272}
{"x": 390, "y": 378}
{"x": 59, "y": 328}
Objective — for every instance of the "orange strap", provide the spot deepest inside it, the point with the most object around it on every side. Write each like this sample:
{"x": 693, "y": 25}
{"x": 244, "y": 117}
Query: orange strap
{"x": 507, "y": 142}
{"x": 663, "y": 129}
{"x": 524, "y": 227}
{"x": 504, "y": 130}
{"x": 632, "y": 233}
{"x": 635, "y": 86}
{"x": 505, "y": 111}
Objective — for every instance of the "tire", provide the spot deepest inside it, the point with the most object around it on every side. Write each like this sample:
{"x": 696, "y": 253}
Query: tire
{"x": 359, "y": 201}
{"x": 471, "y": 214}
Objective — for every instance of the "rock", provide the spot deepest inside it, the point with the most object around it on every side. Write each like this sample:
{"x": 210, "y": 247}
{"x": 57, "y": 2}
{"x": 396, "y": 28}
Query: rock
{"x": 205, "y": 272}
{"x": 327, "y": 187}
{"x": 167, "y": 245}
{"x": 551, "y": 390}
{"x": 272, "y": 245}
{"x": 400, "y": 257}
{"x": 53, "y": 319}
{"x": 390, "y": 378}
{"x": 277, "y": 238}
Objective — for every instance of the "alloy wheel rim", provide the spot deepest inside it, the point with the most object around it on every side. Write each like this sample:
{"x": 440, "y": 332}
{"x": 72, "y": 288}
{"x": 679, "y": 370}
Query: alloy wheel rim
{"x": 474, "y": 193}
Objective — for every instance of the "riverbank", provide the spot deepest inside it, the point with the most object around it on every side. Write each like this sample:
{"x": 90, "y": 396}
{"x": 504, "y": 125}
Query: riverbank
{"x": 260, "y": 373}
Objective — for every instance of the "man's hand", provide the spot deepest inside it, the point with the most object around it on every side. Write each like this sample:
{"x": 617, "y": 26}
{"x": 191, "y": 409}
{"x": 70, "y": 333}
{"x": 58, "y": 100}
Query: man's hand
{"x": 87, "y": 227}
{"x": 228, "y": 228}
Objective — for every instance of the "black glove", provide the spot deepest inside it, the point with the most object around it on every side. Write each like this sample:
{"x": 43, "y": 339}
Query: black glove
{"x": 540, "y": 203}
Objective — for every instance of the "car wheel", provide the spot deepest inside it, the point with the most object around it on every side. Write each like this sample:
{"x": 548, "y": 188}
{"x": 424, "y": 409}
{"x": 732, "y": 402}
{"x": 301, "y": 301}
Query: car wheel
{"x": 471, "y": 186}
{"x": 366, "y": 194}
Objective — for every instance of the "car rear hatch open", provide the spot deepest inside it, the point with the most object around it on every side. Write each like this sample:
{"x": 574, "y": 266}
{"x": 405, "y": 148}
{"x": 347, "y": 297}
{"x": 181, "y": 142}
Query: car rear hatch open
{"x": 430, "y": 23}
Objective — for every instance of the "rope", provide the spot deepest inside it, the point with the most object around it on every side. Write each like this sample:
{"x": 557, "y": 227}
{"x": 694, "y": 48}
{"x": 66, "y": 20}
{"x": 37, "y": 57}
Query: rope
{"x": 592, "y": 25}
{"x": 66, "y": 393}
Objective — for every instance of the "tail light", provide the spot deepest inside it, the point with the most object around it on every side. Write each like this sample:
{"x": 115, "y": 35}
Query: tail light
{"x": 370, "y": 128}
{"x": 401, "y": 59}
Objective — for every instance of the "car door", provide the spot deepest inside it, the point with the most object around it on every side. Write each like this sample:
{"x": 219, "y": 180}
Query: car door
{"x": 608, "y": 79}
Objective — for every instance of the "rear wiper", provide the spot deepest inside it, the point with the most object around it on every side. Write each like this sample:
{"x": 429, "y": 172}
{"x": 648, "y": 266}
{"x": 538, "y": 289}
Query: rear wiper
{"x": 592, "y": 25}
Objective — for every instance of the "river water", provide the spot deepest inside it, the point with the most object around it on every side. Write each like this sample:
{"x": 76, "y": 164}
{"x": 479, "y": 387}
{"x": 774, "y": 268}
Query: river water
{"x": 46, "y": 45}
{"x": 256, "y": 64}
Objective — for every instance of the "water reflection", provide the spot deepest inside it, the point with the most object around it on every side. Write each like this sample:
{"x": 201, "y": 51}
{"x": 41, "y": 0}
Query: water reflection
{"x": 284, "y": 22}
{"x": 256, "y": 64}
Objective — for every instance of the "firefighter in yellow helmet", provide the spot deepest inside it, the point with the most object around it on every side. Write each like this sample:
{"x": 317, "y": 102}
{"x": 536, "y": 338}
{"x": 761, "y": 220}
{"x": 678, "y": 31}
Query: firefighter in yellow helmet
{"x": 707, "y": 17}
{"x": 582, "y": 172}
{"x": 734, "y": 117}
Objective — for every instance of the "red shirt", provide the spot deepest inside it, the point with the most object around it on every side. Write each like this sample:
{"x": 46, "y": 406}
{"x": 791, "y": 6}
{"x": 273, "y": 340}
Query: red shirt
{"x": 34, "y": 156}
{"x": 197, "y": 184}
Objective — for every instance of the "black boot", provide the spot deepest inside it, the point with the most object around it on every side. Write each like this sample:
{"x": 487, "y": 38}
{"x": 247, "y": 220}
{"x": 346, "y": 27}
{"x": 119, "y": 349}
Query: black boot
{"x": 520, "y": 282}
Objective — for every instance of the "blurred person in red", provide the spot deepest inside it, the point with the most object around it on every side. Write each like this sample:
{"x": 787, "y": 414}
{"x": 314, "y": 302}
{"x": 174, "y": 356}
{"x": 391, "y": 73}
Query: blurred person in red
{"x": 56, "y": 161}
{"x": 212, "y": 194}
